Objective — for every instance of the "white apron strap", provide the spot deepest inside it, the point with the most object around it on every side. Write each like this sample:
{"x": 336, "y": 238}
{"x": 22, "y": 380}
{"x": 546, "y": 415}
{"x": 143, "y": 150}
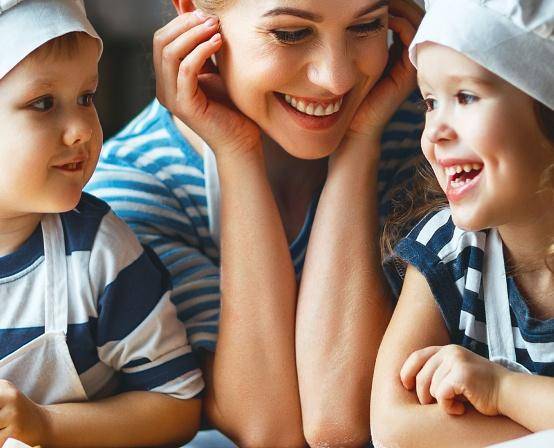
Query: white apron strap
{"x": 500, "y": 338}
{"x": 56, "y": 294}
{"x": 212, "y": 194}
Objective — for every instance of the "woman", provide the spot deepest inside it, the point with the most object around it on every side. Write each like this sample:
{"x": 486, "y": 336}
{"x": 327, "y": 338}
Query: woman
{"x": 296, "y": 115}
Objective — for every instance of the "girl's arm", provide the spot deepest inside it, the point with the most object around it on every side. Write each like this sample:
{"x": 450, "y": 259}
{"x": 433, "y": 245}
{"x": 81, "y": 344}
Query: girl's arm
{"x": 397, "y": 417}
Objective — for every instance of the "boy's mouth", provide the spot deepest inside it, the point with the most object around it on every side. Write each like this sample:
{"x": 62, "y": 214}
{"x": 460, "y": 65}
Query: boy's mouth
{"x": 72, "y": 166}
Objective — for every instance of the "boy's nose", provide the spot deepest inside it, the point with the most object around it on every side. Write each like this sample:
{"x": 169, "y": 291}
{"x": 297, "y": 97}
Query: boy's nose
{"x": 77, "y": 134}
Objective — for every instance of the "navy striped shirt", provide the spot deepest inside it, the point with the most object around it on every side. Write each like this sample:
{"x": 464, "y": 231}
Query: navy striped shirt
{"x": 155, "y": 181}
{"x": 122, "y": 326}
{"x": 451, "y": 259}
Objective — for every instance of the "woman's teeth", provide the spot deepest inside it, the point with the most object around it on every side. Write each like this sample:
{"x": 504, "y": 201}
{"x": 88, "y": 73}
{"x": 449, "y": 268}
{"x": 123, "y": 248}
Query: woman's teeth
{"x": 315, "y": 109}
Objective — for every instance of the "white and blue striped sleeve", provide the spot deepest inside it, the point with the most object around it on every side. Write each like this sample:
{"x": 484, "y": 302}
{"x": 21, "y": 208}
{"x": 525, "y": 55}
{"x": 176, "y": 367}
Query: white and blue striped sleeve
{"x": 160, "y": 222}
{"x": 137, "y": 330}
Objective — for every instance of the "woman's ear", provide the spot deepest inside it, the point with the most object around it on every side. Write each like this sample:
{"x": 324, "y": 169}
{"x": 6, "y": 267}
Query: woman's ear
{"x": 183, "y": 6}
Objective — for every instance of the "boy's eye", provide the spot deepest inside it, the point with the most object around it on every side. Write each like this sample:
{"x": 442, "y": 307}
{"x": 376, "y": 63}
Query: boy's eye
{"x": 365, "y": 29}
{"x": 43, "y": 104}
{"x": 466, "y": 98}
{"x": 86, "y": 100}
{"x": 291, "y": 37}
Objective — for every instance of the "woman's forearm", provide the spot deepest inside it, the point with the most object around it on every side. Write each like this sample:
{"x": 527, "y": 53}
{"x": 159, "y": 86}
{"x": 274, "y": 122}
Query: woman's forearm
{"x": 343, "y": 307}
{"x": 255, "y": 387}
{"x": 125, "y": 420}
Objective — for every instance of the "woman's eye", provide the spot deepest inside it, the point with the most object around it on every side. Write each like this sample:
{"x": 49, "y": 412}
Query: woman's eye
{"x": 43, "y": 104}
{"x": 364, "y": 29}
{"x": 291, "y": 37}
{"x": 466, "y": 98}
{"x": 86, "y": 100}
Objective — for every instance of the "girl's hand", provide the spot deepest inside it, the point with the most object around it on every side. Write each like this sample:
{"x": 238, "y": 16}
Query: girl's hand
{"x": 20, "y": 417}
{"x": 187, "y": 83}
{"x": 451, "y": 375}
{"x": 399, "y": 79}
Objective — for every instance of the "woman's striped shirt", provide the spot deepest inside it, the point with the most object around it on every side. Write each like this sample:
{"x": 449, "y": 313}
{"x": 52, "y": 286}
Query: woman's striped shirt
{"x": 153, "y": 179}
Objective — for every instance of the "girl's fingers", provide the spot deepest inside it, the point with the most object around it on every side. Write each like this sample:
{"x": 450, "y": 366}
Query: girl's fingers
{"x": 176, "y": 51}
{"x": 424, "y": 378}
{"x": 414, "y": 364}
{"x": 189, "y": 70}
{"x": 448, "y": 397}
{"x": 438, "y": 377}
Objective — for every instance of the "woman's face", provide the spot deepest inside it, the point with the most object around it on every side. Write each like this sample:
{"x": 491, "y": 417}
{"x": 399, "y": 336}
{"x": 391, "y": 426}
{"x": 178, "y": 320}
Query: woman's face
{"x": 301, "y": 68}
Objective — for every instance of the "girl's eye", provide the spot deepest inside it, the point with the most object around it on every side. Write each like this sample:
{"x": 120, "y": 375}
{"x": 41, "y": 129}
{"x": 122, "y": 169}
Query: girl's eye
{"x": 365, "y": 29}
{"x": 466, "y": 98}
{"x": 429, "y": 104}
{"x": 291, "y": 37}
{"x": 43, "y": 104}
{"x": 86, "y": 100}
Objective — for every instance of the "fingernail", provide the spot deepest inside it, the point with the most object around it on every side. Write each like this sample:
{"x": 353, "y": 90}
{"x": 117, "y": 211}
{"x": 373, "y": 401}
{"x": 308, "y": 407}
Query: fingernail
{"x": 199, "y": 13}
{"x": 210, "y": 22}
{"x": 215, "y": 38}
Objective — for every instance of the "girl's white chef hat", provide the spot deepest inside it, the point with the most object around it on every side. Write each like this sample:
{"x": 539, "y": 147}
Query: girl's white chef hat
{"x": 512, "y": 38}
{"x": 25, "y": 25}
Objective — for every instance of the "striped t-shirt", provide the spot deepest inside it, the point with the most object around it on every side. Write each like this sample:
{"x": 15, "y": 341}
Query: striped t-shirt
{"x": 123, "y": 333}
{"x": 153, "y": 179}
{"x": 451, "y": 259}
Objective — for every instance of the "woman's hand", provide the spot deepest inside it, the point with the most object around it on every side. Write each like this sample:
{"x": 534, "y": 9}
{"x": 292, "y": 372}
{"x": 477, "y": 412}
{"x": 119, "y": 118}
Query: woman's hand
{"x": 20, "y": 417}
{"x": 451, "y": 375}
{"x": 187, "y": 83}
{"x": 399, "y": 78}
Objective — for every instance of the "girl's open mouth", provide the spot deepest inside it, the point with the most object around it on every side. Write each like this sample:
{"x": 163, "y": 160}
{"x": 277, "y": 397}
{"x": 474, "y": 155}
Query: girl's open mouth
{"x": 461, "y": 179}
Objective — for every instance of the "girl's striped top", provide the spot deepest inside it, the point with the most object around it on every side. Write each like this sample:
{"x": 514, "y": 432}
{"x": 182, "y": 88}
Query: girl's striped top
{"x": 451, "y": 259}
{"x": 153, "y": 179}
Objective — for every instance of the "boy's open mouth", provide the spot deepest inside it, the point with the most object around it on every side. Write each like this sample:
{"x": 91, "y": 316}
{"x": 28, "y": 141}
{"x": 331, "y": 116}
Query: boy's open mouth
{"x": 73, "y": 166}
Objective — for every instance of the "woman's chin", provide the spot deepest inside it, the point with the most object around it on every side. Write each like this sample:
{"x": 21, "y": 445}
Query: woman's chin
{"x": 309, "y": 149}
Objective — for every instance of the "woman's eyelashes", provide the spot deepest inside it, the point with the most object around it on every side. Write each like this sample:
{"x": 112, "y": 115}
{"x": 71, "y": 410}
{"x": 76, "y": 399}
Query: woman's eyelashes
{"x": 297, "y": 35}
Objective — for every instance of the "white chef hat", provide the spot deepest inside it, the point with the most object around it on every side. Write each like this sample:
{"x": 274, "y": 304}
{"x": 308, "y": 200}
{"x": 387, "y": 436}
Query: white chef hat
{"x": 512, "y": 38}
{"x": 25, "y": 25}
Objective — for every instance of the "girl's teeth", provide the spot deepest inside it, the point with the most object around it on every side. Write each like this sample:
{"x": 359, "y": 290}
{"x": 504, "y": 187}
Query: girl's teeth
{"x": 314, "y": 109}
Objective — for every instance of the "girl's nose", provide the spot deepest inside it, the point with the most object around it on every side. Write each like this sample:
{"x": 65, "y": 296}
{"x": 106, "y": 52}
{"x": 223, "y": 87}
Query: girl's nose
{"x": 439, "y": 131}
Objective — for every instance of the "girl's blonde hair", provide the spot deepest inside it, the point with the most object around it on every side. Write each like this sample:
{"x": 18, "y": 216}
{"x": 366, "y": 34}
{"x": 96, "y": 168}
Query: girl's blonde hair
{"x": 425, "y": 195}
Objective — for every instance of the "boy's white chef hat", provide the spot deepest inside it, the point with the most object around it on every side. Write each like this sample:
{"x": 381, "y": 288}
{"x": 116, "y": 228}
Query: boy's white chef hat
{"x": 512, "y": 38}
{"x": 25, "y": 25}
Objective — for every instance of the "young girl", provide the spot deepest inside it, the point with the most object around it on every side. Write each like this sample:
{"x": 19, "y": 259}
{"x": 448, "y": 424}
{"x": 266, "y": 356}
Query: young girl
{"x": 478, "y": 283}
{"x": 91, "y": 351}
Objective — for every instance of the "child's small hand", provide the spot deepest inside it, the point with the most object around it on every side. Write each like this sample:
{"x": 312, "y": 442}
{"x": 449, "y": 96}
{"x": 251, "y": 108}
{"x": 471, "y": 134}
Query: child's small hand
{"x": 451, "y": 375}
{"x": 20, "y": 418}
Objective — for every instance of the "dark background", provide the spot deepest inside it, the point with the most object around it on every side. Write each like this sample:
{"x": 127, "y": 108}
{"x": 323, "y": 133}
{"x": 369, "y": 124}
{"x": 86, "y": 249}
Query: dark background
{"x": 126, "y": 73}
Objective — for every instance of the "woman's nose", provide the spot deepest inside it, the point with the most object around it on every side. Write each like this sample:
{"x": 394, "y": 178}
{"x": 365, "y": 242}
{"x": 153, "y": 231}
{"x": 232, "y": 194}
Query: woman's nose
{"x": 333, "y": 70}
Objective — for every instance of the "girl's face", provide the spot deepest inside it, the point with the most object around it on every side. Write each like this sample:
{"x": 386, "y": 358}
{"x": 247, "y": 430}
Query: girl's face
{"x": 51, "y": 136}
{"x": 301, "y": 68}
{"x": 482, "y": 139}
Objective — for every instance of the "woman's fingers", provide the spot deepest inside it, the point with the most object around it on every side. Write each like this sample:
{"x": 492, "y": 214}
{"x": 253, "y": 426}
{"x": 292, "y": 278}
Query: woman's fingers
{"x": 407, "y": 9}
{"x": 402, "y": 68}
{"x": 189, "y": 95}
{"x": 414, "y": 364}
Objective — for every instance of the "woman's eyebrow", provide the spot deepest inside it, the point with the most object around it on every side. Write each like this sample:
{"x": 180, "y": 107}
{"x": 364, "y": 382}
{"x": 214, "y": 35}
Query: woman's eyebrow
{"x": 317, "y": 18}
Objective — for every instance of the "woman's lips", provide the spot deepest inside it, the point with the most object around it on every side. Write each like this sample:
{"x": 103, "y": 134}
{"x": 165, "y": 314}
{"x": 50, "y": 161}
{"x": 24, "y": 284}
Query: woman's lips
{"x": 312, "y": 122}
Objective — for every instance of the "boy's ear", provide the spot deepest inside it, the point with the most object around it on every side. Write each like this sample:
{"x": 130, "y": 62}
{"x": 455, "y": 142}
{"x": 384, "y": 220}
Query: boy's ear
{"x": 183, "y": 6}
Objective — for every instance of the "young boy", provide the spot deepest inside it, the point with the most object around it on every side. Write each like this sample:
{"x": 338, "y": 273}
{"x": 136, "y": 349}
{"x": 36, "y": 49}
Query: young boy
{"x": 91, "y": 351}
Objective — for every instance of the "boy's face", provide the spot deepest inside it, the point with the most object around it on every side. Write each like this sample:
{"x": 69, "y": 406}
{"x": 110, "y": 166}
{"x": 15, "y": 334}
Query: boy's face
{"x": 50, "y": 135}
{"x": 482, "y": 140}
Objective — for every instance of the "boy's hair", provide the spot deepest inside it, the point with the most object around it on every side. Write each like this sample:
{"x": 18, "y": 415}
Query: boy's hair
{"x": 66, "y": 45}
{"x": 425, "y": 195}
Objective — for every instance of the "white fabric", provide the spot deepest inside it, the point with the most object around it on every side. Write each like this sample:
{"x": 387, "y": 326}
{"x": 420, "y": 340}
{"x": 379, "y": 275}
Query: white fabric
{"x": 25, "y": 25}
{"x": 12, "y": 443}
{"x": 43, "y": 369}
{"x": 512, "y": 38}
{"x": 212, "y": 194}
{"x": 500, "y": 336}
